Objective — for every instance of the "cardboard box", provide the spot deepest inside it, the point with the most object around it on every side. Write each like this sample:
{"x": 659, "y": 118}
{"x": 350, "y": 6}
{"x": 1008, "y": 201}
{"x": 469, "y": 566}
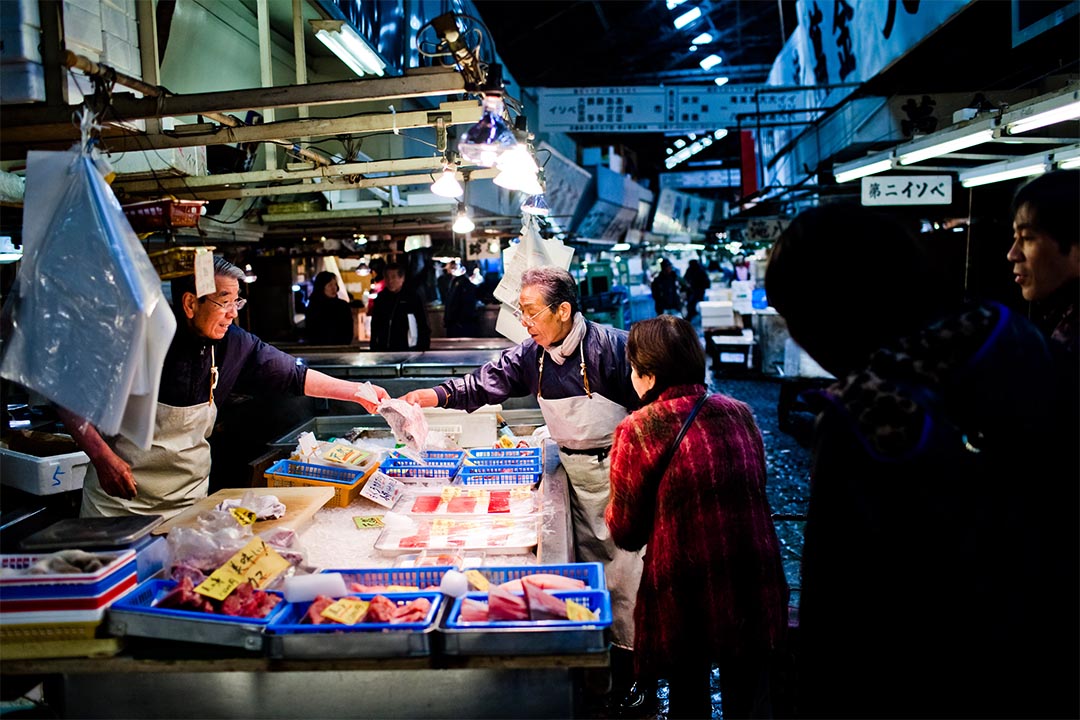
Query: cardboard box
{"x": 44, "y": 475}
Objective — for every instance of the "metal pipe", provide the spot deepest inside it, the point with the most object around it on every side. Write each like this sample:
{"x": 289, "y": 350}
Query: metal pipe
{"x": 266, "y": 73}
{"x": 88, "y": 66}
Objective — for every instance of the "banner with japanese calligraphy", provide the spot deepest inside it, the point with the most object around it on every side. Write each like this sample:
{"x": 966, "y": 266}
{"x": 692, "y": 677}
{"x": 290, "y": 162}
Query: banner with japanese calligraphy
{"x": 907, "y": 190}
{"x": 846, "y": 41}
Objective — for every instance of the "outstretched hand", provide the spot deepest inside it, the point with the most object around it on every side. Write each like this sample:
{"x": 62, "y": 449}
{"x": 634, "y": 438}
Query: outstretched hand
{"x": 364, "y": 396}
{"x": 425, "y": 398}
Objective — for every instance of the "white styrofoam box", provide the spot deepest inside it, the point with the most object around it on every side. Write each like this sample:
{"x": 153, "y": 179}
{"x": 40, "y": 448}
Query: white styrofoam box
{"x": 716, "y": 314}
{"x": 478, "y": 428}
{"x": 44, "y": 475}
{"x": 189, "y": 161}
{"x": 21, "y": 82}
{"x": 19, "y": 43}
{"x": 20, "y": 12}
{"x": 121, "y": 54}
{"x": 114, "y": 21}
{"x": 82, "y": 25}
{"x": 716, "y": 294}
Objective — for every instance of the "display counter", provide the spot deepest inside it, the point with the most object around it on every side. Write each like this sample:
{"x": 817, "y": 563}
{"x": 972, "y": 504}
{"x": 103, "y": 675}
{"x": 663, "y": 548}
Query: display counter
{"x": 154, "y": 678}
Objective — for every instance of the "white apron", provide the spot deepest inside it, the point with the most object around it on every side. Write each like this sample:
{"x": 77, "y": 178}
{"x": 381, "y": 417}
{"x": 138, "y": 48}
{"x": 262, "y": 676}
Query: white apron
{"x": 589, "y": 421}
{"x": 172, "y": 475}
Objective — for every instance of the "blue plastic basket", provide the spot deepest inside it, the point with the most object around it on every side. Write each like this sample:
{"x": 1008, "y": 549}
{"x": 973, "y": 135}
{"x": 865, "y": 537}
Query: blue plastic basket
{"x": 292, "y": 469}
{"x": 422, "y": 578}
{"x": 480, "y": 477}
{"x": 502, "y": 466}
{"x": 592, "y": 574}
{"x": 481, "y": 453}
{"x": 142, "y": 599}
{"x": 291, "y": 620}
{"x": 410, "y": 469}
{"x": 592, "y": 599}
{"x": 430, "y": 455}
{"x": 471, "y": 461}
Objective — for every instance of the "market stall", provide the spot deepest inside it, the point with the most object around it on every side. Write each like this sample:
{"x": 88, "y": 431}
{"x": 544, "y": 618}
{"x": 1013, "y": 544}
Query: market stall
{"x": 161, "y": 665}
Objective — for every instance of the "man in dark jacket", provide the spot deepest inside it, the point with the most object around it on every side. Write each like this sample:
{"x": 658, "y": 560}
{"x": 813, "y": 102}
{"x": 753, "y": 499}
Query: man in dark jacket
{"x": 398, "y": 317}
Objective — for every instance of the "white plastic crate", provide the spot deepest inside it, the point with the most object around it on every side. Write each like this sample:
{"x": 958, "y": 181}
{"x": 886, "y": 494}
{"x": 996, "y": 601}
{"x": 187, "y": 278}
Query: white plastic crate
{"x": 44, "y": 475}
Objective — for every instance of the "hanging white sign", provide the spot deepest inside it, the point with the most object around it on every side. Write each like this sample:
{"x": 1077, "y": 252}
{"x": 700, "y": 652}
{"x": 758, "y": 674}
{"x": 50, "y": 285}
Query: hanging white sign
{"x": 907, "y": 190}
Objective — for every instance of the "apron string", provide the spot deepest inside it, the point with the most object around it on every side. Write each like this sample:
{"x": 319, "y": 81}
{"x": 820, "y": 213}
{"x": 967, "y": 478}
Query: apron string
{"x": 584, "y": 374}
{"x": 213, "y": 376}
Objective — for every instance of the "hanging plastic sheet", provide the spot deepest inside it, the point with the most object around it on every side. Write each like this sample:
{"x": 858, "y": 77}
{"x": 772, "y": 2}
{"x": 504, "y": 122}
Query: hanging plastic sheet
{"x": 88, "y": 326}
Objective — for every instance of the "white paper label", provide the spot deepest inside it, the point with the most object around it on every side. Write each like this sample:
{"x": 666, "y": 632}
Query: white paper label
{"x": 382, "y": 489}
{"x": 204, "y": 272}
{"x": 308, "y": 444}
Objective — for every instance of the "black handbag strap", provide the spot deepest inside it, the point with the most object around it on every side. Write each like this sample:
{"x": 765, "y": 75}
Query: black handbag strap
{"x": 662, "y": 467}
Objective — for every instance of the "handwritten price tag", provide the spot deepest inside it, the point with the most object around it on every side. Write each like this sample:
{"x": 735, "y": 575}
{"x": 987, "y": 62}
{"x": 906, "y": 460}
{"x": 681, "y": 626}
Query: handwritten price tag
{"x": 347, "y": 610}
{"x": 243, "y": 516}
{"x": 449, "y": 493}
{"x": 256, "y": 563}
{"x": 477, "y": 580}
{"x": 346, "y": 454}
{"x": 367, "y": 522}
{"x": 579, "y": 613}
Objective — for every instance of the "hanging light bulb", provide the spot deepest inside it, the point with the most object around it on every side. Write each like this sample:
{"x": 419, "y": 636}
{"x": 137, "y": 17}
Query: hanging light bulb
{"x": 536, "y": 205}
{"x": 485, "y": 141}
{"x": 447, "y": 185}
{"x": 463, "y": 224}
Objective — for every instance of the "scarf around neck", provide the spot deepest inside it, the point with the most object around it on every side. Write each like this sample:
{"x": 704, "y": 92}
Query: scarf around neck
{"x": 569, "y": 345}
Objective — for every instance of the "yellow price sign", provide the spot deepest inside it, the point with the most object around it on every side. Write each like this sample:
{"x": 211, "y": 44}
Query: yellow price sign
{"x": 346, "y": 455}
{"x": 477, "y": 580}
{"x": 347, "y": 611}
{"x": 449, "y": 493}
{"x": 368, "y": 521}
{"x": 579, "y": 613}
{"x": 256, "y": 563}
{"x": 476, "y": 492}
{"x": 244, "y": 516}
{"x": 441, "y": 526}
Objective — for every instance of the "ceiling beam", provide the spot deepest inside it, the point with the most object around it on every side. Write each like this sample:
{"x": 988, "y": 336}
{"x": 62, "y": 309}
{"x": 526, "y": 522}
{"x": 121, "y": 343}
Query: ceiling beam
{"x": 452, "y": 113}
{"x": 351, "y": 213}
{"x": 423, "y": 82}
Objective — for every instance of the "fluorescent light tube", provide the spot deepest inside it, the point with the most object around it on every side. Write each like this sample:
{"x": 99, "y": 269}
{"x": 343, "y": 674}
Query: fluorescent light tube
{"x": 720, "y": 81}
{"x": 856, "y": 169}
{"x": 1060, "y": 108}
{"x": 941, "y": 144}
{"x": 349, "y": 46}
{"x": 710, "y": 62}
{"x": 1067, "y": 158}
{"x": 687, "y": 17}
{"x": 1008, "y": 170}
{"x": 702, "y": 39}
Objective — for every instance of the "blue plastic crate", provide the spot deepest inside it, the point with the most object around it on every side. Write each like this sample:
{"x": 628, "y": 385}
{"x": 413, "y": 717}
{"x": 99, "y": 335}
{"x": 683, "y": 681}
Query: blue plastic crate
{"x": 592, "y": 599}
{"x": 471, "y": 461}
{"x": 430, "y": 455}
{"x": 142, "y": 599}
{"x": 294, "y": 470}
{"x": 399, "y": 469}
{"x": 529, "y": 452}
{"x": 500, "y": 466}
{"x": 498, "y": 478}
{"x": 592, "y": 574}
{"x": 74, "y": 585}
{"x": 291, "y": 619}
{"x": 422, "y": 578}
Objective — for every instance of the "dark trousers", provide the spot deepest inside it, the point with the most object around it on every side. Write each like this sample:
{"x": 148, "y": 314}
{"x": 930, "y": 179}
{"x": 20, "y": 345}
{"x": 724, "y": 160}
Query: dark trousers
{"x": 744, "y": 689}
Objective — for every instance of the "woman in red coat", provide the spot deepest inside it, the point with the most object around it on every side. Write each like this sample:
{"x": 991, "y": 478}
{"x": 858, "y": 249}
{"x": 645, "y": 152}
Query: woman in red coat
{"x": 713, "y": 589}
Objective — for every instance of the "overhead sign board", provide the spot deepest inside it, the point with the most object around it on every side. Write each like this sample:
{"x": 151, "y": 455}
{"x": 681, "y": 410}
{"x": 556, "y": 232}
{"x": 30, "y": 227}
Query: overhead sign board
{"x": 665, "y": 109}
{"x": 907, "y": 190}
{"x": 720, "y": 178}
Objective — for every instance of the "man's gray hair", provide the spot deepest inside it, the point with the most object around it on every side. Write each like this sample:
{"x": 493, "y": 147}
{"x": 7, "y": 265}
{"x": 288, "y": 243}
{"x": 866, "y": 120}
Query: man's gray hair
{"x": 555, "y": 284}
{"x": 224, "y": 268}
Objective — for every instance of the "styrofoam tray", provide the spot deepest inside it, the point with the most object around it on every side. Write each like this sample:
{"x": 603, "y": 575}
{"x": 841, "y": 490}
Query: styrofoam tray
{"x": 506, "y": 535}
{"x": 16, "y": 584}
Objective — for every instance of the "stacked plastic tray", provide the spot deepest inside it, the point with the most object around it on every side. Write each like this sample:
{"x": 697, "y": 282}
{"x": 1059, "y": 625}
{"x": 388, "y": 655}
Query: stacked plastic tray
{"x": 437, "y": 464}
{"x": 57, "y": 614}
{"x": 346, "y": 482}
{"x": 502, "y": 466}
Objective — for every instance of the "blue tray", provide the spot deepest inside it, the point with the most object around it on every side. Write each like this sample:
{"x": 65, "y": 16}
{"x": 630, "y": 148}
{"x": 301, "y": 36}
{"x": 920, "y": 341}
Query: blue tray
{"x": 136, "y": 615}
{"x": 287, "y": 637}
{"x": 481, "y": 453}
{"x": 502, "y": 466}
{"x": 484, "y": 462}
{"x": 307, "y": 471}
{"x": 408, "y": 468}
{"x": 498, "y": 478}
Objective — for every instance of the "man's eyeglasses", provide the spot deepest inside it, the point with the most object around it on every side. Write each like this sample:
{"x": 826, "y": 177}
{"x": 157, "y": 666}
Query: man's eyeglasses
{"x": 529, "y": 320}
{"x": 236, "y": 305}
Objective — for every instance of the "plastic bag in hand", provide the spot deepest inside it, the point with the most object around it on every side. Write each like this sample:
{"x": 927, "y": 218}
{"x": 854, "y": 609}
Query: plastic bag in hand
{"x": 407, "y": 422}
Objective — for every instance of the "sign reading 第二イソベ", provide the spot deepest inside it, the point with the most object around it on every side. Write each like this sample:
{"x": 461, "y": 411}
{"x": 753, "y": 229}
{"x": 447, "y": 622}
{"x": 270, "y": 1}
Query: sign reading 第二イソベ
{"x": 907, "y": 190}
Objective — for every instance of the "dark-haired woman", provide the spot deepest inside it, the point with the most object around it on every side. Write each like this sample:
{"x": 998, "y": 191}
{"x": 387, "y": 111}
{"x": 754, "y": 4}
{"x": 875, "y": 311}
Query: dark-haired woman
{"x": 329, "y": 318}
{"x": 713, "y": 588}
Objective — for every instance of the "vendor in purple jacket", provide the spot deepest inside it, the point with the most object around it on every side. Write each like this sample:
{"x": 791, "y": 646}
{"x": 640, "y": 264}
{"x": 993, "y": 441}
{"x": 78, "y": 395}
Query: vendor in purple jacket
{"x": 207, "y": 357}
{"x": 580, "y": 375}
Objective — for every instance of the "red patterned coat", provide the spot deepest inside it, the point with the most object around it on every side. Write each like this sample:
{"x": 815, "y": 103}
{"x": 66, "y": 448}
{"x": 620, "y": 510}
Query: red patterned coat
{"x": 713, "y": 584}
